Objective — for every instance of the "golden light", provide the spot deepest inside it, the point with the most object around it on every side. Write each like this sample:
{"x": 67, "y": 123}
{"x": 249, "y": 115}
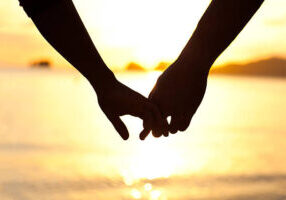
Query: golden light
{"x": 136, "y": 194}
{"x": 155, "y": 158}
{"x": 146, "y": 32}
{"x": 153, "y": 31}
{"x": 148, "y": 186}
{"x": 151, "y": 161}
{"x": 155, "y": 194}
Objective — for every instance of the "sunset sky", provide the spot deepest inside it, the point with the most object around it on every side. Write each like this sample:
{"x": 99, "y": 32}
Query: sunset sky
{"x": 146, "y": 32}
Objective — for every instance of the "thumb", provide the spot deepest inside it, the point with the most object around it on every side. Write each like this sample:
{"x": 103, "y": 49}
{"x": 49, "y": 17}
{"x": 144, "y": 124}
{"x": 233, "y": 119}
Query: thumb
{"x": 148, "y": 119}
{"x": 119, "y": 126}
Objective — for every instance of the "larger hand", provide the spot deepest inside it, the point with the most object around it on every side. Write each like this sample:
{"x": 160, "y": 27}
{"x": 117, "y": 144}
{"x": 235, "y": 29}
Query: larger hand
{"x": 117, "y": 99}
{"x": 178, "y": 93}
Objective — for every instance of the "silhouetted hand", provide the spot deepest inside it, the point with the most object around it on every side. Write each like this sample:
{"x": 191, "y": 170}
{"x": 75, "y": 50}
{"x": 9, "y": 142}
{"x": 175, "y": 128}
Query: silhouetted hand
{"x": 117, "y": 99}
{"x": 178, "y": 93}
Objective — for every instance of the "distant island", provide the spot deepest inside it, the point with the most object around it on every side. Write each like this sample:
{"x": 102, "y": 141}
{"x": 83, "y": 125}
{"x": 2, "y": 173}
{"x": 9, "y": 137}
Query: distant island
{"x": 273, "y": 67}
{"x": 41, "y": 64}
{"x": 162, "y": 66}
{"x": 134, "y": 67}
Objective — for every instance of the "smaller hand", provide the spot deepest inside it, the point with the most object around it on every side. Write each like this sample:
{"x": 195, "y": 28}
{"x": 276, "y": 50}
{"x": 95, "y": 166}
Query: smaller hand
{"x": 178, "y": 93}
{"x": 117, "y": 100}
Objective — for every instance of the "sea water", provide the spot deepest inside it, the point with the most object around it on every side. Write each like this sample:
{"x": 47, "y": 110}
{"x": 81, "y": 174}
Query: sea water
{"x": 55, "y": 143}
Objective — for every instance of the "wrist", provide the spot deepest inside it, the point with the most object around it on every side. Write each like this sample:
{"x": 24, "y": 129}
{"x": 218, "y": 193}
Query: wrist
{"x": 198, "y": 50}
{"x": 101, "y": 78}
{"x": 105, "y": 83}
{"x": 193, "y": 64}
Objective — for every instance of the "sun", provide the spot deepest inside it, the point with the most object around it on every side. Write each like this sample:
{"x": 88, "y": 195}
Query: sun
{"x": 146, "y": 32}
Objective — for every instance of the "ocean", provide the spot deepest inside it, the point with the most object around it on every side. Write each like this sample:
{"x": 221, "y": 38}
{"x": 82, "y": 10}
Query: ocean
{"x": 56, "y": 144}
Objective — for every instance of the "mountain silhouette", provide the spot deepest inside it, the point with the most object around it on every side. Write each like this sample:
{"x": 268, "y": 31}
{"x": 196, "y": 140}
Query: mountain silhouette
{"x": 134, "y": 67}
{"x": 162, "y": 66}
{"x": 273, "y": 67}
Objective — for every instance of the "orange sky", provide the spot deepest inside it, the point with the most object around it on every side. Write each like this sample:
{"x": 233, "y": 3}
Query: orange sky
{"x": 146, "y": 32}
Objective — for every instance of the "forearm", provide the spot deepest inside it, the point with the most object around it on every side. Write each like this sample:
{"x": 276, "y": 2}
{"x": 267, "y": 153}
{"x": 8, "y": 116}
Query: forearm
{"x": 62, "y": 27}
{"x": 219, "y": 26}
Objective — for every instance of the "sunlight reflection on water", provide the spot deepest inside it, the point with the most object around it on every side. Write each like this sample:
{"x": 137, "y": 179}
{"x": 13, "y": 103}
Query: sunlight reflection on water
{"x": 57, "y": 144}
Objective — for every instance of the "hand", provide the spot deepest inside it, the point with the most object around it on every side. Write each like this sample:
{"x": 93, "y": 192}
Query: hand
{"x": 178, "y": 93}
{"x": 117, "y": 99}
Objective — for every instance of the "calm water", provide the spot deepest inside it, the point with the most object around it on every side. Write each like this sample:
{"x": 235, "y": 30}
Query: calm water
{"x": 56, "y": 144}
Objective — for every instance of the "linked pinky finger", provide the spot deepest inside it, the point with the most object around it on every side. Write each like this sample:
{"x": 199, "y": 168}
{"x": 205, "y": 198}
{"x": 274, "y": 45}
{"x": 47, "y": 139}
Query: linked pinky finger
{"x": 144, "y": 134}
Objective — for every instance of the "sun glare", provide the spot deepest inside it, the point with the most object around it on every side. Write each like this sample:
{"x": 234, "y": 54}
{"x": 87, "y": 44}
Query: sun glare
{"x": 145, "y": 32}
{"x": 136, "y": 194}
{"x": 153, "y": 160}
{"x": 153, "y": 31}
{"x": 148, "y": 186}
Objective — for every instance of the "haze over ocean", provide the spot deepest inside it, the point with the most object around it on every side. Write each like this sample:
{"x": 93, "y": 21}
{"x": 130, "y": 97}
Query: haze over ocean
{"x": 56, "y": 143}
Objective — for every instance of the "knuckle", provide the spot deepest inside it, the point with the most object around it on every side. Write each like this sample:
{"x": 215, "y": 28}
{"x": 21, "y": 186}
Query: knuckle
{"x": 183, "y": 128}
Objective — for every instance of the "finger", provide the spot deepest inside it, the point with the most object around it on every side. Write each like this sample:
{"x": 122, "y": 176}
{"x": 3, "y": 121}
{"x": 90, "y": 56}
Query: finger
{"x": 148, "y": 119}
{"x": 159, "y": 125}
{"x": 156, "y": 133}
{"x": 184, "y": 123}
{"x": 161, "y": 119}
{"x": 147, "y": 124}
{"x": 119, "y": 126}
{"x": 174, "y": 124}
{"x": 144, "y": 133}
